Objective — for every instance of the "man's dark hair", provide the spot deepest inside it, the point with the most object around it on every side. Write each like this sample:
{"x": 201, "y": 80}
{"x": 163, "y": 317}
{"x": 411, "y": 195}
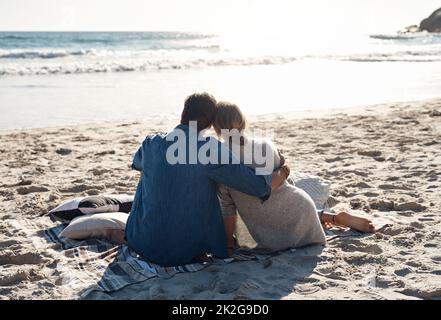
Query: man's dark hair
{"x": 200, "y": 107}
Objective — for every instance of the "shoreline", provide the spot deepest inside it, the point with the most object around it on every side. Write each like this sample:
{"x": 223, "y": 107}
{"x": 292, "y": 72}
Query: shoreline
{"x": 379, "y": 108}
{"x": 86, "y": 98}
{"x": 383, "y": 161}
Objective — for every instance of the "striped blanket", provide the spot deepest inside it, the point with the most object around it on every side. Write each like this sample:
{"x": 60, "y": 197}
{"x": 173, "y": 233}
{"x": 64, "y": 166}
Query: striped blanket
{"x": 96, "y": 265}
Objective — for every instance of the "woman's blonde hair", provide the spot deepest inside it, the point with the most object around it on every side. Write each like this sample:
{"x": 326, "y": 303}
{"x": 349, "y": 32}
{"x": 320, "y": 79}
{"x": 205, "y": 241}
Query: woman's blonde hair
{"x": 228, "y": 116}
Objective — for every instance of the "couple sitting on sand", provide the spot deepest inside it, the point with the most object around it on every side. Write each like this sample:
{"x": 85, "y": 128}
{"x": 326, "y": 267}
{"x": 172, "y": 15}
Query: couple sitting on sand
{"x": 192, "y": 187}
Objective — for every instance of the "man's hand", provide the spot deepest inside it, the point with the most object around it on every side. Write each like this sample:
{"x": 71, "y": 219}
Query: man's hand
{"x": 279, "y": 177}
{"x": 282, "y": 158}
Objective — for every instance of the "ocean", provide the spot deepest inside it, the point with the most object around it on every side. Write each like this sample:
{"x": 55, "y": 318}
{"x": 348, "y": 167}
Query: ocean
{"x": 64, "y": 78}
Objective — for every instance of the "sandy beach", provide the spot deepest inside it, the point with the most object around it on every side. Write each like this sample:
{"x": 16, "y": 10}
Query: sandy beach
{"x": 383, "y": 161}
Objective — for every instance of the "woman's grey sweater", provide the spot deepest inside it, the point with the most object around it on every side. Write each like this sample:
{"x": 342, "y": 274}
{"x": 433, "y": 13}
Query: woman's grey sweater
{"x": 288, "y": 219}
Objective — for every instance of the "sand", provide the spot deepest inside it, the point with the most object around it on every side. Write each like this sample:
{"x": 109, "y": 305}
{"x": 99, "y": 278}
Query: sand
{"x": 384, "y": 162}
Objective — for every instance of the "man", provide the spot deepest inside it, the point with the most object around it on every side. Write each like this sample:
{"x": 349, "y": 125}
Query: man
{"x": 176, "y": 215}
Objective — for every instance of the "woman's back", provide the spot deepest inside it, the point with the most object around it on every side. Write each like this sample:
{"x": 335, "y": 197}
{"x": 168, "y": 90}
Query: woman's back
{"x": 287, "y": 219}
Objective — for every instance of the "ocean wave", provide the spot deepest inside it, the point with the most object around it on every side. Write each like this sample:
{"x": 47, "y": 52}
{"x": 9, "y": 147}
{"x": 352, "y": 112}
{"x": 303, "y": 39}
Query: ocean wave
{"x": 403, "y": 36}
{"x": 12, "y": 37}
{"x": 103, "y": 40}
{"x": 61, "y": 53}
{"x": 43, "y": 54}
{"x": 399, "y": 56}
{"x": 127, "y": 66}
{"x": 417, "y": 38}
{"x": 389, "y": 59}
{"x": 98, "y": 36}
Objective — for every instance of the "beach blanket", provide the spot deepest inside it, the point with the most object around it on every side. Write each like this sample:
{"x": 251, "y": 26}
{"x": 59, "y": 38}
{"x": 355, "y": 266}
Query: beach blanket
{"x": 97, "y": 265}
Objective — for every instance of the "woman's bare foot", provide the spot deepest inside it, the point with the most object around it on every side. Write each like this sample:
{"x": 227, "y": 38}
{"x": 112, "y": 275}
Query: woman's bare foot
{"x": 354, "y": 222}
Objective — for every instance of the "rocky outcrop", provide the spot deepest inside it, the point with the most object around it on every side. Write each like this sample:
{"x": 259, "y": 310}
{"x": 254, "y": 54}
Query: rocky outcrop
{"x": 432, "y": 23}
{"x": 412, "y": 29}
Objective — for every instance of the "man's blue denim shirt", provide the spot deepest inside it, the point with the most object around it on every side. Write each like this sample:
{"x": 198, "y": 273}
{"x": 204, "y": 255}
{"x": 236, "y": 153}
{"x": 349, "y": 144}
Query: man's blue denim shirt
{"x": 176, "y": 214}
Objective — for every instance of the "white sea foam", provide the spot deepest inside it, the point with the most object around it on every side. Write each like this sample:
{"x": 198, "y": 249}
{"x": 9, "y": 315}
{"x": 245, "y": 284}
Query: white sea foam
{"x": 101, "y": 61}
{"x": 75, "y": 53}
{"x": 400, "y": 56}
{"x": 43, "y": 53}
{"x": 127, "y": 65}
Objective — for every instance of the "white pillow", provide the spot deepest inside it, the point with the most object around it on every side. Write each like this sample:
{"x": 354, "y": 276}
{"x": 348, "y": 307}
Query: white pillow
{"x": 102, "y": 226}
{"x": 317, "y": 188}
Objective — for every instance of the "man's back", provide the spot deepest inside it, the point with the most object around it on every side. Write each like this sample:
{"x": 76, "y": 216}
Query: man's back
{"x": 176, "y": 214}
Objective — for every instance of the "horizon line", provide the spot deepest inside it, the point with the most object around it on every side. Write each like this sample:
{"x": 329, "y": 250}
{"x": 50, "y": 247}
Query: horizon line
{"x": 152, "y": 30}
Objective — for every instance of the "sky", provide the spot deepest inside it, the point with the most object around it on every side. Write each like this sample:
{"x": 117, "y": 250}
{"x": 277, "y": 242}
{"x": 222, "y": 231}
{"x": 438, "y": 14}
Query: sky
{"x": 214, "y": 16}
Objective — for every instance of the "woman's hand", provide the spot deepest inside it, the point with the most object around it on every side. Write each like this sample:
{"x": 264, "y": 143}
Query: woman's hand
{"x": 279, "y": 177}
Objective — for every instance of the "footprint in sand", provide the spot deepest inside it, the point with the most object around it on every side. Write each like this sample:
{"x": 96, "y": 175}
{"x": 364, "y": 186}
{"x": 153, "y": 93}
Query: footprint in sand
{"x": 13, "y": 278}
{"x": 431, "y": 245}
{"x": 361, "y": 247}
{"x": 24, "y": 182}
{"x": 81, "y": 138}
{"x": 63, "y": 151}
{"x": 8, "y": 243}
{"x": 369, "y": 153}
{"x": 228, "y": 283}
{"x": 403, "y": 271}
{"x": 381, "y": 205}
{"x": 427, "y": 292}
{"x": 410, "y": 206}
{"x": 249, "y": 289}
{"x": 389, "y": 283}
{"x": 413, "y": 263}
{"x": 305, "y": 289}
{"x": 394, "y": 187}
{"x": 31, "y": 189}
{"x": 81, "y": 188}
{"x": 371, "y": 194}
{"x": 106, "y": 152}
{"x": 8, "y": 230}
{"x": 417, "y": 225}
{"x": 360, "y": 184}
{"x": 99, "y": 171}
{"x": 19, "y": 258}
{"x": 424, "y": 219}
{"x": 331, "y": 272}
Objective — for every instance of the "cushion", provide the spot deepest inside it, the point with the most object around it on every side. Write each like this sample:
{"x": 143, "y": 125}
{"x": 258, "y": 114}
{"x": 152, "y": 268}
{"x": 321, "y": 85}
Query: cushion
{"x": 317, "y": 188}
{"x": 77, "y": 207}
{"x": 101, "y": 226}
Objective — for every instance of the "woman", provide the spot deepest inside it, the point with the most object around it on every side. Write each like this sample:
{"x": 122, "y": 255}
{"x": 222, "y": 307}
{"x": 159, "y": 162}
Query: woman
{"x": 289, "y": 218}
